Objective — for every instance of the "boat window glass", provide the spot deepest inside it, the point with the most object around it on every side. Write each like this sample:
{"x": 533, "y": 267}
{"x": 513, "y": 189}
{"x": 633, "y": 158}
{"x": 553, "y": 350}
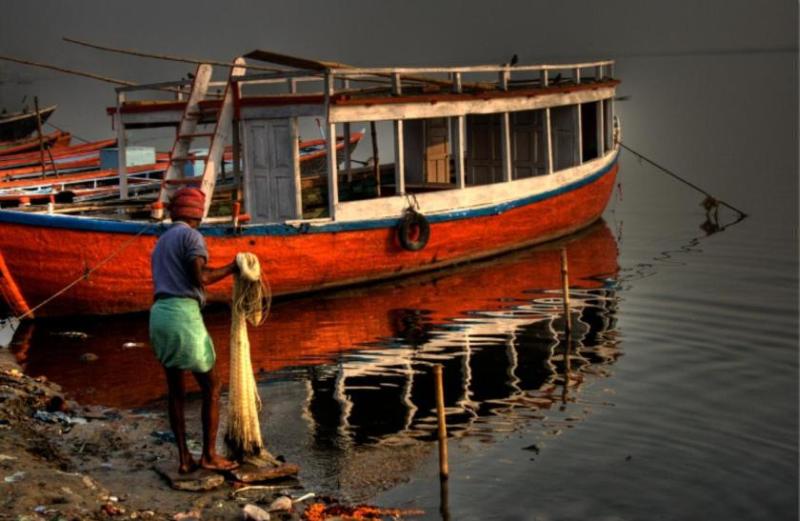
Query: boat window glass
{"x": 564, "y": 123}
{"x": 528, "y": 143}
{"x": 590, "y": 130}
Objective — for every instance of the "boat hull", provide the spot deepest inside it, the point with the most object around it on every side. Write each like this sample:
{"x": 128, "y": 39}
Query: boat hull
{"x": 45, "y": 253}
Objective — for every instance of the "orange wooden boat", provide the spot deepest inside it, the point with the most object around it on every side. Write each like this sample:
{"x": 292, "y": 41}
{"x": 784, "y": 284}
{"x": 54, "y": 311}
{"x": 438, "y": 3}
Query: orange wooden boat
{"x": 406, "y": 310}
{"x": 53, "y": 140}
{"x": 479, "y": 168}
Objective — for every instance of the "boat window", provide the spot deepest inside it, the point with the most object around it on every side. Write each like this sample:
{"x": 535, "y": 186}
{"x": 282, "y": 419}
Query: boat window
{"x": 590, "y": 130}
{"x": 529, "y": 143}
{"x": 483, "y": 157}
{"x": 608, "y": 124}
{"x": 564, "y": 123}
{"x": 428, "y": 153}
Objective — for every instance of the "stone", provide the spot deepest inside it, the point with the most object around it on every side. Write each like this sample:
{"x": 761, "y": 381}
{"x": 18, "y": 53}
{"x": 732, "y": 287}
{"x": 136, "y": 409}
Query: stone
{"x": 283, "y": 503}
{"x": 89, "y": 357}
{"x": 200, "y": 480}
{"x": 249, "y": 473}
{"x": 254, "y": 513}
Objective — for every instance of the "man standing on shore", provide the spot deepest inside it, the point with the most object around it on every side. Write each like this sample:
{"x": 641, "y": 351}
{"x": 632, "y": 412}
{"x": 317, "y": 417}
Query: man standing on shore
{"x": 177, "y": 332}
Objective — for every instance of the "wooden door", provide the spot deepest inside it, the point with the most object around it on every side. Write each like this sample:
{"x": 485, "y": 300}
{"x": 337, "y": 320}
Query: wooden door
{"x": 271, "y": 170}
{"x": 485, "y": 162}
{"x": 437, "y": 151}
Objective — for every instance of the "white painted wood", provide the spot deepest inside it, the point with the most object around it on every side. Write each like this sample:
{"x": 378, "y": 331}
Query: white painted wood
{"x": 471, "y": 197}
{"x": 399, "y": 158}
{"x": 333, "y": 162}
{"x": 122, "y": 149}
{"x": 294, "y": 137}
{"x": 272, "y": 170}
{"x": 549, "y": 130}
{"x": 505, "y": 127}
{"x": 476, "y": 68}
{"x": 580, "y": 133}
{"x": 458, "y": 143}
{"x": 448, "y": 108}
{"x": 222, "y": 132}
{"x": 188, "y": 125}
{"x": 333, "y": 171}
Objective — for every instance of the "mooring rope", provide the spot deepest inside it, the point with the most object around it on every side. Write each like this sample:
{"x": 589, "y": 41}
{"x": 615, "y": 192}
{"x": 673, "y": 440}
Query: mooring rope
{"x": 250, "y": 303}
{"x": 710, "y": 201}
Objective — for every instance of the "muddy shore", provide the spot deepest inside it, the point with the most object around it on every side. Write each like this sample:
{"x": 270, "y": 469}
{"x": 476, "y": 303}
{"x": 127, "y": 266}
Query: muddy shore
{"x": 60, "y": 460}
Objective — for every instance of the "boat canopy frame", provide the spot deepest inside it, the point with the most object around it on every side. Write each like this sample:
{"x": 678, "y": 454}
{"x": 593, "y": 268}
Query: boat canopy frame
{"x": 395, "y": 94}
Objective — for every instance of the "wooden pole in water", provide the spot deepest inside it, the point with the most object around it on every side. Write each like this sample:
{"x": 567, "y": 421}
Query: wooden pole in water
{"x": 39, "y": 131}
{"x": 565, "y": 291}
{"x": 376, "y": 166}
{"x": 567, "y": 321}
{"x": 443, "y": 467}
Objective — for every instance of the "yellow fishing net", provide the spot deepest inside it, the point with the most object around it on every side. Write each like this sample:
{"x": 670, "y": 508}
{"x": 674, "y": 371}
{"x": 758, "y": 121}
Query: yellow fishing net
{"x": 250, "y": 303}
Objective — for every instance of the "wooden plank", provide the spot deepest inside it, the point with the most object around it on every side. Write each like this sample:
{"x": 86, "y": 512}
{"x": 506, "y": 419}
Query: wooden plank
{"x": 471, "y": 196}
{"x": 122, "y": 150}
{"x": 462, "y": 107}
{"x": 333, "y": 162}
{"x": 549, "y": 130}
{"x": 222, "y": 131}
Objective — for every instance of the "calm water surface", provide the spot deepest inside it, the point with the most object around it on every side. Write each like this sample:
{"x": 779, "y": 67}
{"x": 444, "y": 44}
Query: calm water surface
{"x": 678, "y": 400}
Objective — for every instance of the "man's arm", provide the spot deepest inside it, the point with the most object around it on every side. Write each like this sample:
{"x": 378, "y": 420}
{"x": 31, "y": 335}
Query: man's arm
{"x": 203, "y": 275}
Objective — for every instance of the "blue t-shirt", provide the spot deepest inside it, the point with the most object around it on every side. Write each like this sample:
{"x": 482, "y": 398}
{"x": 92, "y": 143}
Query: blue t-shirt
{"x": 172, "y": 260}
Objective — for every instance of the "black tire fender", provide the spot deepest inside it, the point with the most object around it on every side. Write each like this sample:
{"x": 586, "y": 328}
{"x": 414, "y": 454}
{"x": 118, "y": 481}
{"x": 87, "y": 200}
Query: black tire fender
{"x": 413, "y": 230}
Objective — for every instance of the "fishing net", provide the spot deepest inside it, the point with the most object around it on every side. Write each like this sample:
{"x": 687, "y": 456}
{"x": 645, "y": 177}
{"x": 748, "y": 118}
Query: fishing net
{"x": 250, "y": 303}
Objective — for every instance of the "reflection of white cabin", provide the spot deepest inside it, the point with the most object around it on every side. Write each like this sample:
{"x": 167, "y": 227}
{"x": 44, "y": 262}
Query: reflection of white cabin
{"x": 398, "y": 366}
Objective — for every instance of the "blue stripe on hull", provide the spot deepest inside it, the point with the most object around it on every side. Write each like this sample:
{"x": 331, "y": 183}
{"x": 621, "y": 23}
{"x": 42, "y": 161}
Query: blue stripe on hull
{"x": 128, "y": 227}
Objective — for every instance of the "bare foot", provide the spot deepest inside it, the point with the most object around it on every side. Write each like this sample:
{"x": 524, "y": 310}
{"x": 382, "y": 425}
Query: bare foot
{"x": 187, "y": 467}
{"x": 217, "y": 462}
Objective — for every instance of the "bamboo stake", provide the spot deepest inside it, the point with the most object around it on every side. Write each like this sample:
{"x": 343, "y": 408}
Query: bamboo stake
{"x": 167, "y": 57}
{"x": 39, "y": 131}
{"x": 565, "y": 291}
{"x": 69, "y": 71}
{"x": 443, "y": 466}
{"x": 567, "y": 323}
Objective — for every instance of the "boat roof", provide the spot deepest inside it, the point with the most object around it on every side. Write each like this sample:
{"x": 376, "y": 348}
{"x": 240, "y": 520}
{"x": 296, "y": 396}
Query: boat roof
{"x": 329, "y": 84}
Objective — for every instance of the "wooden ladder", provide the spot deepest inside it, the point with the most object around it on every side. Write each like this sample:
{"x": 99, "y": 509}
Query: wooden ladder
{"x": 187, "y": 133}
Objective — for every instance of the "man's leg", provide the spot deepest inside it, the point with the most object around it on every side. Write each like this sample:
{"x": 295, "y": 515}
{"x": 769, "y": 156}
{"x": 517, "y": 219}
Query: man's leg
{"x": 175, "y": 400}
{"x": 210, "y": 387}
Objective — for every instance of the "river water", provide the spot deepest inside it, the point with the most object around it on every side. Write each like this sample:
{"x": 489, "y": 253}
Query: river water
{"x": 677, "y": 400}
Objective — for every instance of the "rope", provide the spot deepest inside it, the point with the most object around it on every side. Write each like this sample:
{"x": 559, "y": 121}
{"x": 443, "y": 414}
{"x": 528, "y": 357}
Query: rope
{"x": 710, "y": 201}
{"x": 250, "y": 303}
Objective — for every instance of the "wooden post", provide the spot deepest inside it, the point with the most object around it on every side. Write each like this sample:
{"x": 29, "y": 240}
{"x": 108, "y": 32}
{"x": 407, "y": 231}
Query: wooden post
{"x": 444, "y": 472}
{"x": 579, "y": 126}
{"x": 505, "y": 131}
{"x": 565, "y": 291}
{"x": 333, "y": 166}
{"x": 460, "y": 136}
{"x": 399, "y": 157}
{"x": 548, "y": 123}
{"x": 39, "y": 131}
{"x": 376, "y": 162}
{"x": 567, "y": 323}
{"x": 444, "y": 499}
{"x": 122, "y": 153}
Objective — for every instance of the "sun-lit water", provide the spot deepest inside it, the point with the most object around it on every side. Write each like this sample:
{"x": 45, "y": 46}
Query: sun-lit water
{"x": 682, "y": 400}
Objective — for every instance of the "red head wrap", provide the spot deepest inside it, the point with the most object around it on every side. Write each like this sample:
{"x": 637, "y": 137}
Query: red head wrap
{"x": 187, "y": 203}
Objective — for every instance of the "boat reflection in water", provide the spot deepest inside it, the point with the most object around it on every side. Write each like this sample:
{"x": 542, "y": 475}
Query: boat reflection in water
{"x": 355, "y": 366}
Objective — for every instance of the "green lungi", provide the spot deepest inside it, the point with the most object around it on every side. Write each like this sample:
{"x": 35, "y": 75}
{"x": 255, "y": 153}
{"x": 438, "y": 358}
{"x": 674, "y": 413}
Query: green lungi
{"x": 179, "y": 336}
